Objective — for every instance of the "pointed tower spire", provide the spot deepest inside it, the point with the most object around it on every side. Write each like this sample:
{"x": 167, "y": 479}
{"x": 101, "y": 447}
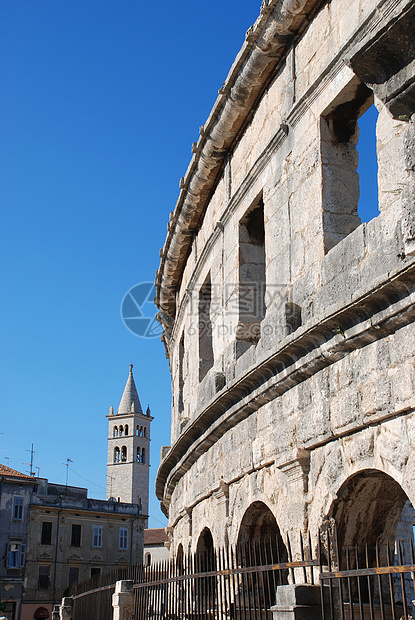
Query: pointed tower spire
{"x": 130, "y": 401}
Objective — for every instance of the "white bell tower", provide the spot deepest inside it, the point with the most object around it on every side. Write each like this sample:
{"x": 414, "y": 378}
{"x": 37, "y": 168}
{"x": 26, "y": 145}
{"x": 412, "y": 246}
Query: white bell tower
{"x": 129, "y": 449}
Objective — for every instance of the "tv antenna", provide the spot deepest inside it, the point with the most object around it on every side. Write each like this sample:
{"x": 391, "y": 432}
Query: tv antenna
{"x": 32, "y": 452}
{"x": 67, "y": 472}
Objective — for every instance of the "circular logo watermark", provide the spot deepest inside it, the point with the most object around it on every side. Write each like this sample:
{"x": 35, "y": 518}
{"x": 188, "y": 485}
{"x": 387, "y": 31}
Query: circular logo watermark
{"x": 138, "y": 312}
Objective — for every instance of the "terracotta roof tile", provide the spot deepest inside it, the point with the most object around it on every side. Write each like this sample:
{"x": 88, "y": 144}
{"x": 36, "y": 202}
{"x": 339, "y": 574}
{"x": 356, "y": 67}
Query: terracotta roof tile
{"x": 8, "y": 471}
{"x": 155, "y": 536}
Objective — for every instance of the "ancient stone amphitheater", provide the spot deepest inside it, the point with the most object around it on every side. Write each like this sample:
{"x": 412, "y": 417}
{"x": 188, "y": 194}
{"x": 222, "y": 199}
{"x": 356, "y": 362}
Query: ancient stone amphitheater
{"x": 288, "y": 321}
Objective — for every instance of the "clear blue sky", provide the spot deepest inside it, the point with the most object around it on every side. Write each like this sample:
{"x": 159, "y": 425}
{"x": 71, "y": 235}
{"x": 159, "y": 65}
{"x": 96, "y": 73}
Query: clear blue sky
{"x": 101, "y": 103}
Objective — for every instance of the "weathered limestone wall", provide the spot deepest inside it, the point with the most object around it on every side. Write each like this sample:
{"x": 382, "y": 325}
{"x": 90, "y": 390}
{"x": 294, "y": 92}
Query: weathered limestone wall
{"x": 325, "y": 387}
{"x": 332, "y": 415}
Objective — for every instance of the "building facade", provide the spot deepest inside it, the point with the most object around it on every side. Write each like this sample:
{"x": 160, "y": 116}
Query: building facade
{"x": 155, "y": 546}
{"x": 288, "y": 321}
{"x": 16, "y": 491}
{"x": 73, "y": 538}
{"x": 129, "y": 449}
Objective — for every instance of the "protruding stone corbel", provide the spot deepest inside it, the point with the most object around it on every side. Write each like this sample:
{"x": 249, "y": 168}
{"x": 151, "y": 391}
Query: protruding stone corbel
{"x": 297, "y": 470}
{"x": 186, "y": 515}
{"x": 221, "y": 495}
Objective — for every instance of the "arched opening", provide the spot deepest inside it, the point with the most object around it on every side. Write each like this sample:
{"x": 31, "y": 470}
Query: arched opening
{"x": 137, "y": 431}
{"x": 260, "y": 542}
{"x": 368, "y": 509}
{"x": 144, "y": 432}
{"x": 147, "y": 561}
{"x": 124, "y": 454}
{"x": 180, "y": 559}
{"x": 374, "y": 523}
{"x": 143, "y": 455}
{"x": 205, "y": 561}
{"x": 115, "y": 431}
{"x": 116, "y": 455}
{"x": 138, "y": 455}
{"x": 121, "y": 431}
{"x": 126, "y": 429}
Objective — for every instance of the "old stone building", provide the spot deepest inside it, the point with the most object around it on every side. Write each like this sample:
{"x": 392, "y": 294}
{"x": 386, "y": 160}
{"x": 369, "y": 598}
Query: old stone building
{"x": 288, "y": 322}
{"x": 129, "y": 449}
{"x": 72, "y": 537}
{"x": 16, "y": 491}
{"x": 155, "y": 546}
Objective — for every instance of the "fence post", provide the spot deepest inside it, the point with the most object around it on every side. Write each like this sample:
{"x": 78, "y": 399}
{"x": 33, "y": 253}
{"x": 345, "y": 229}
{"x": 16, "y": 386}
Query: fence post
{"x": 65, "y": 609}
{"x": 123, "y": 600}
{"x": 297, "y": 602}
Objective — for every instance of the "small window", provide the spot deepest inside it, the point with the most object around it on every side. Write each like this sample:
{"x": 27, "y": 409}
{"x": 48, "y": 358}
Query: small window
{"x": 121, "y": 431}
{"x": 123, "y": 538}
{"x": 126, "y": 430}
{"x": 252, "y": 276}
{"x": 97, "y": 536}
{"x": 137, "y": 431}
{"x": 144, "y": 432}
{"x": 73, "y": 575}
{"x": 18, "y": 508}
{"x": 13, "y": 555}
{"x": 181, "y": 375}
{"x": 138, "y": 457}
{"x": 340, "y": 179}
{"x": 76, "y": 535}
{"x": 117, "y": 455}
{"x": 143, "y": 455}
{"x": 95, "y": 571}
{"x": 148, "y": 559}
{"x": 205, "y": 329}
{"x": 46, "y": 537}
{"x": 115, "y": 431}
{"x": 124, "y": 454}
{"x": 44, "y": 577}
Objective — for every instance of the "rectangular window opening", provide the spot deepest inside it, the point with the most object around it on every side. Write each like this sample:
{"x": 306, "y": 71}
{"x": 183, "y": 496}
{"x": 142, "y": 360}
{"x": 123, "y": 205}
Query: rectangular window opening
{"x": 46, "y": 536}
{"x": 341, "y": 150}
{"x": 368, "y": 206}
{"x": 73, "y": 575}
{"x": 252, "y": 276}
{"x": 44, "y": 577}
{"x": 205, "y": 329}
{"x": 18, "y": 508}
{"x": 97, "y": 536}
{"x": 76, "y": 535}
{"x": 123, "y": 538}
{"x": 181, "y": 377}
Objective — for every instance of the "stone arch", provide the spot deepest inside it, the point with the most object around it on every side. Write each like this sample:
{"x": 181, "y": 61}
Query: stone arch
{"x": 205, "y": 542}
{"x": 260, "y": 542}
{"x": 368, "y": 508}
{"x": 205, "y": 561}
{"x": 180, "y": 559}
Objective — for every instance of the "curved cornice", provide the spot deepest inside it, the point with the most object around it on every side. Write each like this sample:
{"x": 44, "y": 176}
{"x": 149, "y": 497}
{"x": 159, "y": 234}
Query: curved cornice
{"x": 265, "y": 46}
{"x": 374, "y": 315}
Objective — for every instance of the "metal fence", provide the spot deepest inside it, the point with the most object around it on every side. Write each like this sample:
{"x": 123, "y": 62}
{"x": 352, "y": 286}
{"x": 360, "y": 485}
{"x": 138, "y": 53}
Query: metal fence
{"x": 93, "y": 598}
{"x": 228, "y": 584}
{"x": 356, "y": 583}
{"x": 363, "y": 582}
